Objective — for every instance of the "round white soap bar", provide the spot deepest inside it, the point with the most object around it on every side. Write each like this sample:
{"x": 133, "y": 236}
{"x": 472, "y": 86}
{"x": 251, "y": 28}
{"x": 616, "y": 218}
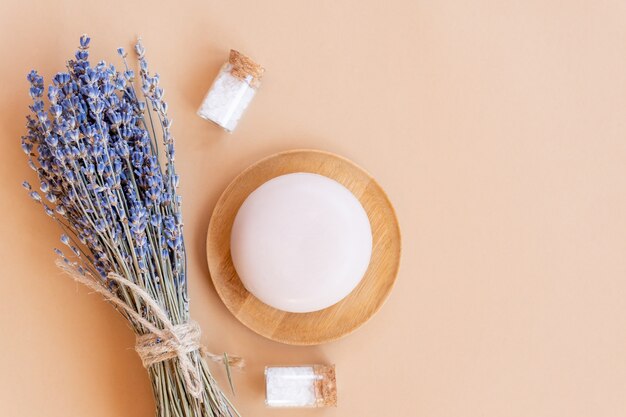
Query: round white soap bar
{"x": 301, "y": 242}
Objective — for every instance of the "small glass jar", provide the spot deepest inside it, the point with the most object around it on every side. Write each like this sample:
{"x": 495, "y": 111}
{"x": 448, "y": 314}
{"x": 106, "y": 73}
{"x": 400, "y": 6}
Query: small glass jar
{"x": 300, "y": 386}
{"x": 232, "y": 91}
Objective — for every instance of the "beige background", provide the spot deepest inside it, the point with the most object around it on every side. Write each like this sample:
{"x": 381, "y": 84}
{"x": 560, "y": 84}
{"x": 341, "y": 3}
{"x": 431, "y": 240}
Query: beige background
{"x": 498, "y": 128}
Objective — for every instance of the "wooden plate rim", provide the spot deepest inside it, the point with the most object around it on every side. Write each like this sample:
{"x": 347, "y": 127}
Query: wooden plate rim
{"x": 381, "y": 300}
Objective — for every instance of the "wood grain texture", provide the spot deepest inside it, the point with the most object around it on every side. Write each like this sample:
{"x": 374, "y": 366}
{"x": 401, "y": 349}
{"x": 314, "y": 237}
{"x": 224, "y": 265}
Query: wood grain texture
{"x": 335, "y": 321}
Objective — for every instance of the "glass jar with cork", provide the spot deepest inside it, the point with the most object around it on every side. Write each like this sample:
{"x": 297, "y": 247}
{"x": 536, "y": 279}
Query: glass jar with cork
{"x": 300, "y": 386}
{"x": 232, "y": 91}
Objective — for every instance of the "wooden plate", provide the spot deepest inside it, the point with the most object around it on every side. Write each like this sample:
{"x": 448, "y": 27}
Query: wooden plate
{"x": 339, "y": 319}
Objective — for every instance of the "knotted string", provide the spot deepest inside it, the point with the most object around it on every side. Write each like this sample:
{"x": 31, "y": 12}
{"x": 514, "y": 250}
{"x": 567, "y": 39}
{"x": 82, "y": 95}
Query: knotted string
{"x": 157, "y": 345}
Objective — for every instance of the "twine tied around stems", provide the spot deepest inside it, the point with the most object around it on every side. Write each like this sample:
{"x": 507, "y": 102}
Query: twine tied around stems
{"x": 157, "y": 344}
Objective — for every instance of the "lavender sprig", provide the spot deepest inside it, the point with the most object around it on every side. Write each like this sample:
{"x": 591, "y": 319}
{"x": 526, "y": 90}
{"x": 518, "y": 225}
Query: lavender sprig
{"x": 95, "y": 149}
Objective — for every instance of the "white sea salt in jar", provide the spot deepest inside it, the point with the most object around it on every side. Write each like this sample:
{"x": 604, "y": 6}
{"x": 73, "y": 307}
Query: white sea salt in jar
{"x": 232, "y": 91}
{"x": 300, "y": 386}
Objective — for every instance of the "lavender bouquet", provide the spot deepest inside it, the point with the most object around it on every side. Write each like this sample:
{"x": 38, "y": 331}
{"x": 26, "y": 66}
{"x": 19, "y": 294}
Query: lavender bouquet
{"x": 104, "y": 156}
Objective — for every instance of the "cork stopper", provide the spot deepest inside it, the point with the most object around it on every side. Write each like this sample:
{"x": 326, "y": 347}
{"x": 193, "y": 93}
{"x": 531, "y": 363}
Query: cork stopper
{"x": 244, "y": 67}
{"x": 326, "y": 386}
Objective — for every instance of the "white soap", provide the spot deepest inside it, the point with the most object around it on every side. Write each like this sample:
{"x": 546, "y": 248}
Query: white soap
{"x": 301, "y": 242}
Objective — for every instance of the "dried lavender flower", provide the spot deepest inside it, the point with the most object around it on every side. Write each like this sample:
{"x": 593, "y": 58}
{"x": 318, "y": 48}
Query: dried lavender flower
{"x": 95, "y": 149}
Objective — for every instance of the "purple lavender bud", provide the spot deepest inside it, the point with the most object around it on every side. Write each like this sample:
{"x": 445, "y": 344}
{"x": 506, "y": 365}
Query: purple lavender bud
{"x": 65, "y": 239}
{"x": 84, "y": 41}
{"x": 108, "y": 89}
{"x": 114, "y": 118}
{"x": 27, "y": 147}
{"x": 120, "y": 83}
{"x": 52, "y": 141}
{"x": 56, "y": 111}
{"x": 38, "y": 107}
{"x": 61, "y": 79}
{"x": 82, "y": 55}
{"x": 96, "y": 106}
{"x": 35, "y": 196}
{"x": 140, "y": 49}
{"x": 53, "y": 93}
{"x": 36, "y": 92}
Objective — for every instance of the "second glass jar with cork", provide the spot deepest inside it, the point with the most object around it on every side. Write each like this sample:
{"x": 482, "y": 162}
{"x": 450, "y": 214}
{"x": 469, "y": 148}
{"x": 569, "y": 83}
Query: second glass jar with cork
{"x": 232, "y": 91}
